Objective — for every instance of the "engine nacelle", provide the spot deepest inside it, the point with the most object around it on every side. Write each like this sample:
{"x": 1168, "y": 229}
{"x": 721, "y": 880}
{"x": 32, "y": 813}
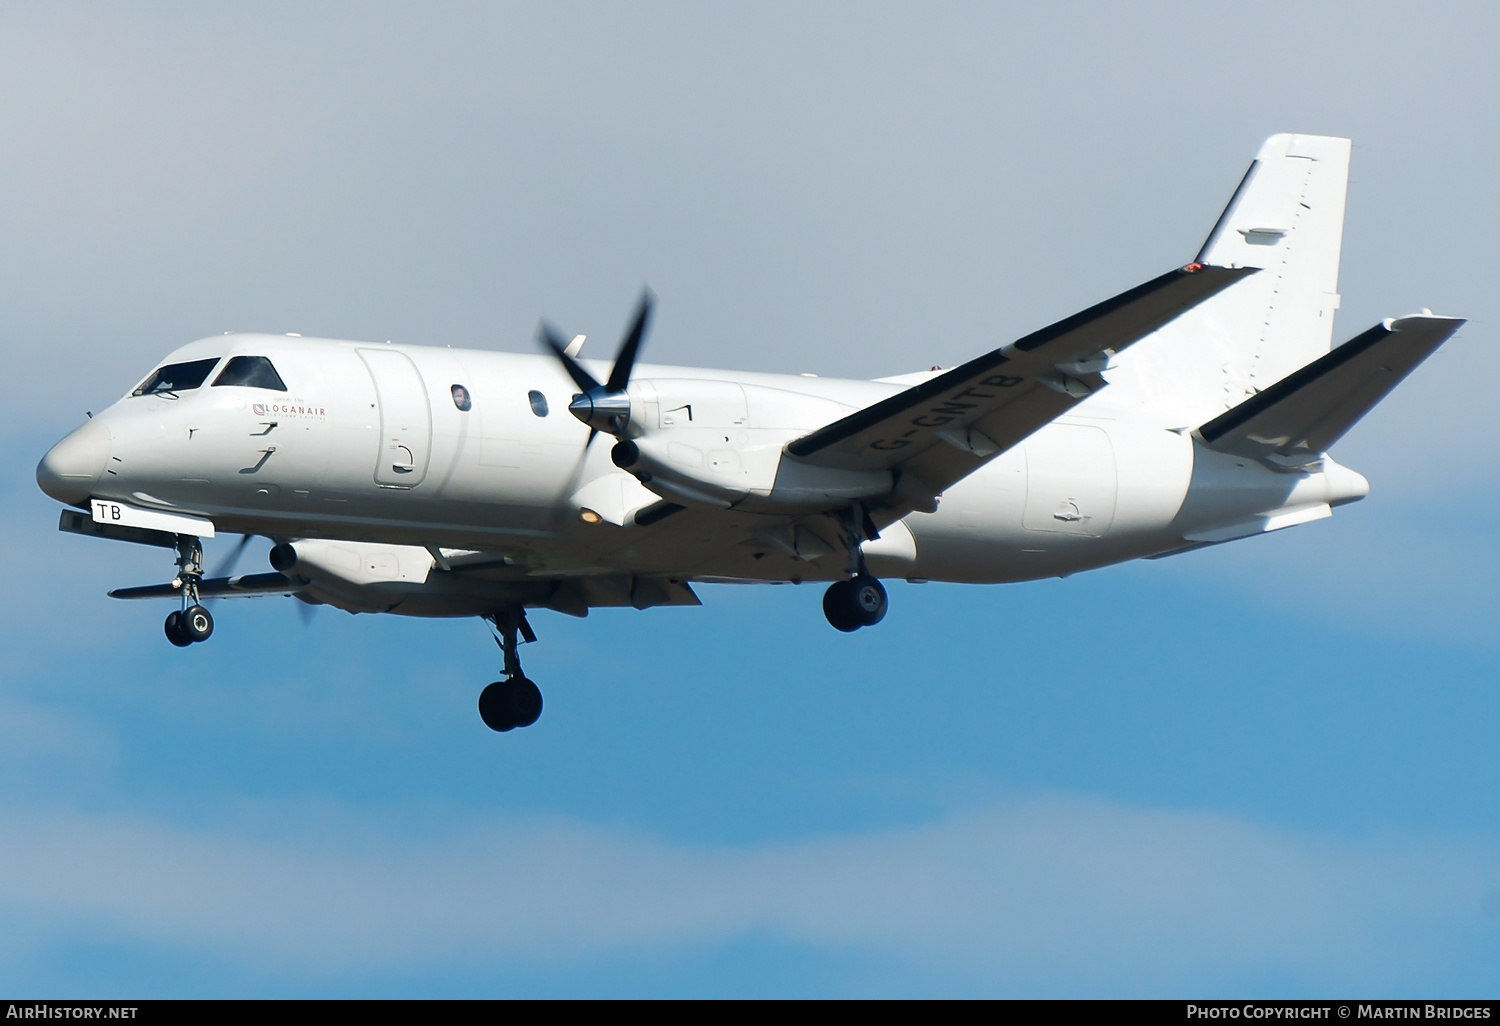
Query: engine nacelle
{"x": 756, "y": 475}
{"x": 355, "y": 575}
{"x": 721, "y": 444}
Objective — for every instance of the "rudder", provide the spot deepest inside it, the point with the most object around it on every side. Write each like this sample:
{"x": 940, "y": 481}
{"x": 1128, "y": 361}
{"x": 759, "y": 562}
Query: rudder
{"x": 1287, "y": 219}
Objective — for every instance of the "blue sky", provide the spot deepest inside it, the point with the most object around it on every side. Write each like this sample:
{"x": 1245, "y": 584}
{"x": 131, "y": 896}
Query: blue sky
{"x": 1261, "y": 769}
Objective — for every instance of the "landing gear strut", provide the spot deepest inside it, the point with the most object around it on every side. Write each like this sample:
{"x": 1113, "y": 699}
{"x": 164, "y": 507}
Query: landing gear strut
{"x": 859, "y": 601}
{"x": 515, "y": 701}
{"x": 192, "y": 622}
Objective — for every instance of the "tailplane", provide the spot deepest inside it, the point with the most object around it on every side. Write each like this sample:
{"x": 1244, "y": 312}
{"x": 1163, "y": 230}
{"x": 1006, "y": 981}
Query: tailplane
{"x": 1296, "y": 420}
{"x": 1287, "y": 220}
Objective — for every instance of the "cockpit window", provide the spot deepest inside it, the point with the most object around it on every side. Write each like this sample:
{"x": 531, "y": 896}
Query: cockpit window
{"x": 177, "y": 377}
{"x": 250, "y": 372}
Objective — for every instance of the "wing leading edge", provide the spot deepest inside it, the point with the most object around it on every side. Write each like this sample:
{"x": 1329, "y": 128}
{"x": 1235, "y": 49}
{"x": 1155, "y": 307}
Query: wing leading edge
{"x": 945, "y": 428}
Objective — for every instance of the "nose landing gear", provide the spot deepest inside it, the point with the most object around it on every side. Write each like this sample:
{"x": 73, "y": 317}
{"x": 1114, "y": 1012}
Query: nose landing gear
{"x": 193, "y": 622}
{"x": 515, "y": 701}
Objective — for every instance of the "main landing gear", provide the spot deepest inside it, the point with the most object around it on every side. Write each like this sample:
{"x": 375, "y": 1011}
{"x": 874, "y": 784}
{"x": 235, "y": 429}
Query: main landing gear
{"x": 192, "y": 622}
{"x": 855, "y": 603}
{"x": 859, "y": 601}
{"x": 515, "y": 701}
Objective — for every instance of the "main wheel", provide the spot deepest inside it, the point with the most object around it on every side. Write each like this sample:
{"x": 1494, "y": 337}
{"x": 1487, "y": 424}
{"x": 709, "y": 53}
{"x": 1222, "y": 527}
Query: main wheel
{"x": 868, "y": 599}
{"x": 175, "y": 632}
{"x": 197, "y": 624}
{"x": 838, "y": 606}
{"x": 525, "y": 701}
{"x": 508, "y": 704}
{"x": 495, "y": 707}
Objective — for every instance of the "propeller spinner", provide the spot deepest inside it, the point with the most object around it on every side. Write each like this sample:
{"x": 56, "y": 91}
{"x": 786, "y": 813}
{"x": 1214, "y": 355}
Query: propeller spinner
{"x": 603, "y": 407}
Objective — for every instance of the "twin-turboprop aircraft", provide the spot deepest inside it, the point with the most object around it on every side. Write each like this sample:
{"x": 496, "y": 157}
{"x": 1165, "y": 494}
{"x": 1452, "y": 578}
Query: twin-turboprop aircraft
{"x": 453, "y": 482}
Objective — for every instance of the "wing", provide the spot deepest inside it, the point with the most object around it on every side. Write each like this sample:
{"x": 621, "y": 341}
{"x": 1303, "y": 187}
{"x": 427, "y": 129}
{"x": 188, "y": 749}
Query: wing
{"x": 942, "y": 430}
{"x": 221, "y": 587}
{"x": 1303, "y": 414}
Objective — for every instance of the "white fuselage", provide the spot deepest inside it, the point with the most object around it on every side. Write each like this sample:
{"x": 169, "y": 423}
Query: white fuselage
{"x": 368, "y": 445}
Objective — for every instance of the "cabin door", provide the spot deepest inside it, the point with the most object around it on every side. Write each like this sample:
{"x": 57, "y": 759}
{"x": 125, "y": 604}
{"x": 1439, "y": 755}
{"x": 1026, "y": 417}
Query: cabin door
{"x": 405, "y": 418}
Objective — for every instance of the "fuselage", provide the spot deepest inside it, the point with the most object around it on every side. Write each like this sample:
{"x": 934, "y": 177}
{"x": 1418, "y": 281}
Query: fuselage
{"x": 469, "y": 450}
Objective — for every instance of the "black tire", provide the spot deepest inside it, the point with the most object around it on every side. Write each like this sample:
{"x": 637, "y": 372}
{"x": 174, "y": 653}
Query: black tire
{"x": 867, "y": 600}
{"x": 838, "y": 606}
{"x": 174, "y": 630}
{"x": 495, "y": 707}
{"x": 508, "y": 704}
{"x": 525, "y": 701}
{"x": 197, "y": 623}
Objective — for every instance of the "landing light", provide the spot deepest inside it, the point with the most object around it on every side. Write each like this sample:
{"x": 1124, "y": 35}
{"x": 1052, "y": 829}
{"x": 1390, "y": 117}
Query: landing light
{"x": 588, "y": 516}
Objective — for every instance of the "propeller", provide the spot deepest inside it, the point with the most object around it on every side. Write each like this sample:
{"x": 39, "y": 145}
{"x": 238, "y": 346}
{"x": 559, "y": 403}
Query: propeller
{"x": 603, "y": 407}
{"x": 306, "y": 612}
{"x": 230, "y": 561}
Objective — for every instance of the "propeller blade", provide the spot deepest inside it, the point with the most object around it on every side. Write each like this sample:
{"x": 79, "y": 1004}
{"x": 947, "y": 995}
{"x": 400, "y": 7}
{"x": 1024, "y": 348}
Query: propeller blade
{"x": 550, "y": 338}
{"x": 306, "y": 612}
{"x": 227, "y": 564}
{"x": 619, "y": 374}
{"x": 571, "y": 485}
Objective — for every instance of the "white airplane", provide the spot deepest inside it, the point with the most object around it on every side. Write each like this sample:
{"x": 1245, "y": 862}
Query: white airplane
{"x": 459, "y": 482}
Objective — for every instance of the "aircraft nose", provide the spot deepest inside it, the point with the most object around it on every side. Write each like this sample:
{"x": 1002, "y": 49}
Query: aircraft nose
{"x": 71, "y": 468}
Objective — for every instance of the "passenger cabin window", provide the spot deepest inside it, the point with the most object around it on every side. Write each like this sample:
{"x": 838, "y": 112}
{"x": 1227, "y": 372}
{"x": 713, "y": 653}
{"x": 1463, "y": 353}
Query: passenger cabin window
{"x": 250, "y": 372}
{"x": 177, "y": 377}
{"x": 538, "y": 403}
{"x": 461, "y": 398}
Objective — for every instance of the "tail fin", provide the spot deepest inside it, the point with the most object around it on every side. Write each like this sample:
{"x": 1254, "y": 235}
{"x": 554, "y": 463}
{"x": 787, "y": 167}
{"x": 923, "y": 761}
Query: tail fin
{"x": 1287, "y": 219}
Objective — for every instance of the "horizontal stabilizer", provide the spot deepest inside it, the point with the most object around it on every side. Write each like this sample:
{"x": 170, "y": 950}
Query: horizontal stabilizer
{"x": 220, "y": 587}
{"x": 1303, "y": 414}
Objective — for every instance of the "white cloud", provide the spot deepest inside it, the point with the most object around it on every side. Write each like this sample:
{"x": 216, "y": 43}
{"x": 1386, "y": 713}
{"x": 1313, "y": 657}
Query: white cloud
{"x": 1034, "y": 895}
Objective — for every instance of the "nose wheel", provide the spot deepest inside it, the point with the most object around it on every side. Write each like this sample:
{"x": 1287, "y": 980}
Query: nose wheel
{"x": 174, "y": 630}
{"x": 515, "y": 701}
{"x": 183, "y": 627}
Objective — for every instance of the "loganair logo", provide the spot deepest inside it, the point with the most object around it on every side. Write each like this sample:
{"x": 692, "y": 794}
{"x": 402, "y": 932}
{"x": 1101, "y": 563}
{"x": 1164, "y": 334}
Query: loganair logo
{"x": 294, "y": 410}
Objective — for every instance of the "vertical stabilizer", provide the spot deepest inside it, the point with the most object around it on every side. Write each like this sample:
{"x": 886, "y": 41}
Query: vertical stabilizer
{"x": 1287, "y": 219}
